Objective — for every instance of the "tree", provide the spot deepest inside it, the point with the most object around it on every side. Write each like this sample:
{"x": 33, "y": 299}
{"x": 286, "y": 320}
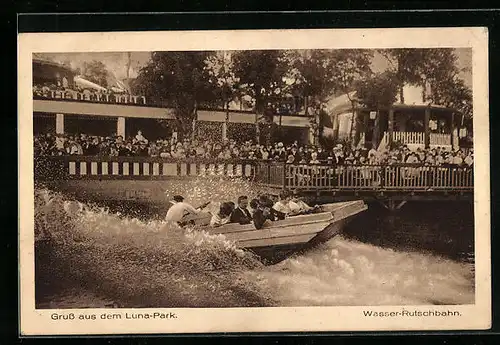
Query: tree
{"x": 177, "y": 80}
{"x": 96, "y": 72}
{"x": 435, "y": 68}
{"x": 420, "y": 66}
{"x": 128, "y": 64}
{"x": 378, "y": 91}
{"x": 446, "y": 86}
{"x": 260, "y": 73}
{"x": 220, "y": 68}
{"x": 351, "y": 66}
{"x": 317, "y": 74}
{"x": 375, "y": 93}
{"x": 310, "y": 75}
{"x": 453, "y": 93}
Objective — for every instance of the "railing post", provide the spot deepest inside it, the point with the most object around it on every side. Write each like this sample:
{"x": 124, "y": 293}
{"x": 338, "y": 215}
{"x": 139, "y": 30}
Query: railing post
{"x": 426, "y": 127}
{"x": 382, "y": 175}
{"x": 60, "y": 123}
{"x": 284, "y": 175}
{"x": 391, "y": 126}
{"x": 452, "y": 127}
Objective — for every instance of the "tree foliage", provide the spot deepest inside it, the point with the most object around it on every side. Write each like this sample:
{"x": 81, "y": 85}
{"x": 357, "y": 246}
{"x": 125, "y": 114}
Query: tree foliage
{"x": 309, "y": 75}
{"x": 96, "y": 72}
{"x": 318, "y": 74}
{"x": 453, "y": 93}
{"x": 186, "y": 81}
{"x": 220, "y": 69}
{"x": 378, "y": 91}
{"x": 352, "y": 66}
{"x": 177, "y": 80}
{"x": 349, "y": 67}
{"x": 420, "y": 66}
{"x": 260, "y": 74}
{"x": 435, "y": 68}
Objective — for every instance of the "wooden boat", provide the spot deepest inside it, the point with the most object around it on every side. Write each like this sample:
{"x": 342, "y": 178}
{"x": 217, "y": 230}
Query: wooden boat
{"x": 280, "y": 239}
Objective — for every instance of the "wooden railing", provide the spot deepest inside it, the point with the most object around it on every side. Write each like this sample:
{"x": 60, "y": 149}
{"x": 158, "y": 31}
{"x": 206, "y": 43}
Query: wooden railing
{"x": 371, "y": 177}
{"x": 439, "y": 139}
{"x": 403, "y": 177}
{"x": 418, "y": 139}
{"x": 411, "y": 138}
{"x": 90, "y": 97}
{"x": 95, "y": 167}
{"x": 408, "y": 138}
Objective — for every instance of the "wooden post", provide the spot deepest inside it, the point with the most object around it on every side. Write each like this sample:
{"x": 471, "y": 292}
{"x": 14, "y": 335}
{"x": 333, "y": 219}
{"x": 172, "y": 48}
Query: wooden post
{"x": 376, "y": 130}
{"x": 257, "y": 128}
{"x": 452, "y": 125}
{"x": 224, "y": 130}
{"x": 120, "y": 127}
{"x": 311, "y": 138}
{"x": 335, "y": 127}
{"x": 226, "y": 122}
{"x": 284, "y": 176}
{"x": 59, "y": 123}
{"x": 391, "y": 125}
{"x": 366, "y": 118}
{"x": 426, "y": 127}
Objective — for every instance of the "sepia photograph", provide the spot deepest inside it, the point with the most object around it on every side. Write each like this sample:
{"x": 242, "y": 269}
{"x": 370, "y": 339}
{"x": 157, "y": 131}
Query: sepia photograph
{"x": 241, "y": 178}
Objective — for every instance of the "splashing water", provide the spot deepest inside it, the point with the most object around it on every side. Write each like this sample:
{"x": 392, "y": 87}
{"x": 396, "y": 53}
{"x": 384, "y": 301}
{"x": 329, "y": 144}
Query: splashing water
{"x": 139, "y": 264}
{"x": 87, "y": 251}
{"x": 343, "y": 272}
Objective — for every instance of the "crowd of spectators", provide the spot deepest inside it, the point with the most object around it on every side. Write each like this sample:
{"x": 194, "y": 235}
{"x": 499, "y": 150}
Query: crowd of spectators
{"x": 52, "y": 91}
{"x": 171, "y": 148}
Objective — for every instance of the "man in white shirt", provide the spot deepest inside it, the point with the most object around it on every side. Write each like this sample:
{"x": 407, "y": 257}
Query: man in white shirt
{"x": 140, "y": 138}
{"x": 179, "y": 208}
{"x": 469, "y": 160}
{"x": 285, "y": 206}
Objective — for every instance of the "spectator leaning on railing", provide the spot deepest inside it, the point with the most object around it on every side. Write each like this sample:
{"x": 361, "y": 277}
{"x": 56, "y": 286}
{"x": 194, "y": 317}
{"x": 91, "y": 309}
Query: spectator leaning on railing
{"x": 139, "y": 145}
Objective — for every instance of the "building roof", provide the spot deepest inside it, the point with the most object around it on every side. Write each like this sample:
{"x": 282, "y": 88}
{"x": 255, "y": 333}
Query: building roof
{"x": 44, "y": 62}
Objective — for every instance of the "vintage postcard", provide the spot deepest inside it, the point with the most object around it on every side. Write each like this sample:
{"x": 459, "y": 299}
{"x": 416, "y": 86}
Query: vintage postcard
{"x": 254, "y": 181}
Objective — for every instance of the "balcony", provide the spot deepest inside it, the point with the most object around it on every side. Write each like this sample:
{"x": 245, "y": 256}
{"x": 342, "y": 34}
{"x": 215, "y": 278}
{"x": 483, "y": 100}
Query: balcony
{"x": 416, "y": 140}
{"x": 89, "y": 96}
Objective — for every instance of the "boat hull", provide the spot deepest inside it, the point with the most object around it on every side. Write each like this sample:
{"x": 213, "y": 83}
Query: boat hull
{"x": 273, "y": 254}
{"x": 280, "y": 239}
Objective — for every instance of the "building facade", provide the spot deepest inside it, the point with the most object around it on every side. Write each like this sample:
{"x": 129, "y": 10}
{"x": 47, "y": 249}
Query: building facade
{"x": 414, "y": 123}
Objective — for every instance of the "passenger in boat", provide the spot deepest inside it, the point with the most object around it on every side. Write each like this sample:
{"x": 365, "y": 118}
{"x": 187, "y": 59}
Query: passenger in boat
{"x": 223, "y": 216}
{"x": 241, "y": 214}
{"x": 283, "y": 207}
{"x": 301, "y": 207}
{"x": 263, "y": 212}
{"x": 254, "y": 205}
{"x": 179, "y": 209}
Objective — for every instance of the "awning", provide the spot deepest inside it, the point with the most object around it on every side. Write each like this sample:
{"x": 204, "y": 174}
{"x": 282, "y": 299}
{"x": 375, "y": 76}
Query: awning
{"x": 87, "y": 84}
